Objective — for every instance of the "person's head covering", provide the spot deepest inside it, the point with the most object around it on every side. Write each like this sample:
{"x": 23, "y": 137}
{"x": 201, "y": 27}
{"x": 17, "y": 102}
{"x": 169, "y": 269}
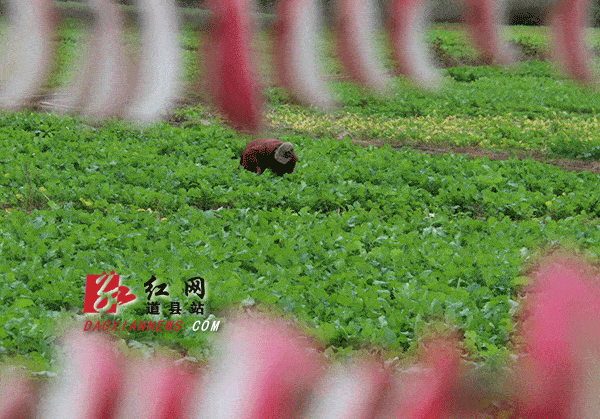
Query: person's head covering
{"x": 284, "y": 153}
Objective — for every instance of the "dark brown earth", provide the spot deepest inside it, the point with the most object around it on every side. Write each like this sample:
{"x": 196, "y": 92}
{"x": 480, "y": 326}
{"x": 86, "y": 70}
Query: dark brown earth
{"x": 564, "y": 163}
{"x": 574, "y": 165}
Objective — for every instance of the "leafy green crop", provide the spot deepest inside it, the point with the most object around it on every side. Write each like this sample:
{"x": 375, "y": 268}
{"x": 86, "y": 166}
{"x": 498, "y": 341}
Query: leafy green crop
{"x": 367, "y": 244}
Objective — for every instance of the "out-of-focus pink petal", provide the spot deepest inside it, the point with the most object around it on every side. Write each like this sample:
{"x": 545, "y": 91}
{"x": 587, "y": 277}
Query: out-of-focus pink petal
{"x": 354, "y": 392}
{"x": 157, "y": 83}
{"x": 89, "y": 383}
{"x": 108, "y": 77}
{"x": 483, "y": 19}
{"x": 564, "y": 316}
{"x": 431, "y": 395}
{"x": 356, "y": 25}
{"x": 408, "y": 23}
{"x": 29, "y": 51}
{"x": 232, "y": 78}
{"x": 17, "y": 396}
{"x": 570, "y": 47}
{"x": 100, "y": 82}
{"x": 157, "y": 389}
{"x": 265, "y": 371}
{"x": 296, "y": 59}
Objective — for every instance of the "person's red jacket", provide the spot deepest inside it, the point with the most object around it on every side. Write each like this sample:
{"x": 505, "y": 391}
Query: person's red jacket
{"x": 269, "y": 153}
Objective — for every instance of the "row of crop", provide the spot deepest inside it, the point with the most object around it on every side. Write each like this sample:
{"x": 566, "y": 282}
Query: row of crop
{"x": 530, "y": 88}
{"x": 55, "y": 164}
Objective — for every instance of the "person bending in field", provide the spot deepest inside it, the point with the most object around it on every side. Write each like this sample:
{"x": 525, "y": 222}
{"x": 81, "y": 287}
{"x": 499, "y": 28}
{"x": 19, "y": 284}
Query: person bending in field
{"x": 269, "y": 153}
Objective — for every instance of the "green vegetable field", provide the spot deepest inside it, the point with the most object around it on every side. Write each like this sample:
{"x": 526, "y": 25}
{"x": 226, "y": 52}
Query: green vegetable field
{"x": 370, "y": 243}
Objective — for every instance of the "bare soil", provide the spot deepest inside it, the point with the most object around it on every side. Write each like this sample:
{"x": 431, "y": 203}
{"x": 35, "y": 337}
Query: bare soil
{"x": 574, "y": 165}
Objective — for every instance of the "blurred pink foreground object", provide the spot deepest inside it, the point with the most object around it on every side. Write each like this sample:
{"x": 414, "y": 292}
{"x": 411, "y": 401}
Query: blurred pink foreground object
{"x": 483, "y": 19}
{"x": 570, "y": 47}
{"x": 27, "y": 52}
{"x": 265, "y": 369}
{"x": 111, "y": 84}
{"x": 407, "y": 29}
{"x": 357, "y": 24}
{"x": 297, "y": 60}
{"x": 560, "y": 378}
{"x": 89, "y": 383}
{"x": 232, "y": 79}
{"x": 17, "y": 396}
{"x": 431, "y": 395}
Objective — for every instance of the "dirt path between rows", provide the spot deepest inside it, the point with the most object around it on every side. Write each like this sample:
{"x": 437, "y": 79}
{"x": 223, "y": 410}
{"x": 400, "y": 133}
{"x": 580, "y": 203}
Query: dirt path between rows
{"x": 574, "y": 165}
